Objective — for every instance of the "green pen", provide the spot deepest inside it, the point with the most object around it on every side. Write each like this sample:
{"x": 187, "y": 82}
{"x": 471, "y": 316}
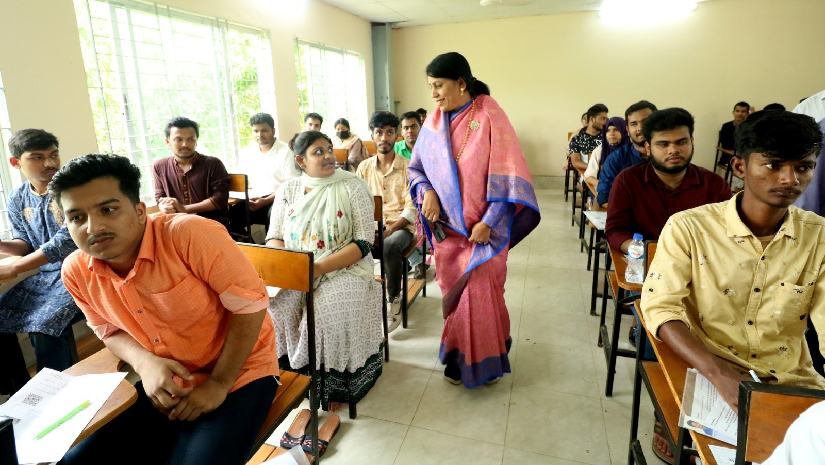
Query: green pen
{"x": 63, "y": 420}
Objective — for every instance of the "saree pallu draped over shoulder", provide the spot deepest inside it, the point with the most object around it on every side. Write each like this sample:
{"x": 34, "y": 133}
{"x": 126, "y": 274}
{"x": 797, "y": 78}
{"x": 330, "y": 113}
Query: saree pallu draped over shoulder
{"x": 489, "y": 182}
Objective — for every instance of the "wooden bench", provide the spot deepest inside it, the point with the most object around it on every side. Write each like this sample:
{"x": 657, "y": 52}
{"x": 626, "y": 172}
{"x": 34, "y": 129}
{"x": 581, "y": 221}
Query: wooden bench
{"x": 240, "y": 183}
{"x": 378, "y": 254}
{"x": 341, "y": 158}
{"x": 370, "y": 145}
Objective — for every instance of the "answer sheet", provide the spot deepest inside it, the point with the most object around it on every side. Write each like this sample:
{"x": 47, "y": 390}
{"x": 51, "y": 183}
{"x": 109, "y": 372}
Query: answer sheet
{"x": 704, "y": 410}
{"x": 47, "y": 398}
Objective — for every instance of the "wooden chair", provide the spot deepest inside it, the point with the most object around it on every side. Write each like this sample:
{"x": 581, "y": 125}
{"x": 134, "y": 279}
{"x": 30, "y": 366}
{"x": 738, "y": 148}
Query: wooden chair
{"x": 240, "y": 183}
{"x": 378, "y": 253}
{"x": 370, "y": 145}
{"x": 342, "y": 158}
{"x": 765, "y": 409}
{"x": 567, "y": 171}
{"x": 293, "y": 270}
{"x": 418, "y": 286}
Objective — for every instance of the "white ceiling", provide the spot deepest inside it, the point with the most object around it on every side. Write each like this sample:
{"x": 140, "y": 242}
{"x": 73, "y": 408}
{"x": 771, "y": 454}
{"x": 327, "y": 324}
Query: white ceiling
{"x": 406, "y": 13}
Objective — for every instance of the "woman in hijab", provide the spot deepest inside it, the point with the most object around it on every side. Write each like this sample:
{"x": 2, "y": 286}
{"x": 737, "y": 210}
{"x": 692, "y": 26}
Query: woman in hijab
{"x": 614, "y": 136}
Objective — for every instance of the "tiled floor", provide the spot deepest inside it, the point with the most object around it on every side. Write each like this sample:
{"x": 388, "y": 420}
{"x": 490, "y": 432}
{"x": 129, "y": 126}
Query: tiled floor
{"x": 551, "y": 410}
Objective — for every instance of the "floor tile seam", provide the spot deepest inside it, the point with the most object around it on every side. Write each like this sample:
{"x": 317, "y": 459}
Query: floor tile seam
{"x": 547, "y": 455}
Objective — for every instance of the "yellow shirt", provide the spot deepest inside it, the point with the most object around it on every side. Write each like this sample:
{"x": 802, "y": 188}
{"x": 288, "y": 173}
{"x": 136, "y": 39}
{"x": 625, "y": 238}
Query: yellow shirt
{"x": 749, "y": 306}
{"x": 394, "y": 187}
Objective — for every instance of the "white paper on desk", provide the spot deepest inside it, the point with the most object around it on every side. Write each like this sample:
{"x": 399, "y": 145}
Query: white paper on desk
{"x": 53, "y": 395}
{"x": 295, "y": 456}
{"x": 724, "y": 455}
{"x": 704, "y": 411}
{"x": 272, "y": 291}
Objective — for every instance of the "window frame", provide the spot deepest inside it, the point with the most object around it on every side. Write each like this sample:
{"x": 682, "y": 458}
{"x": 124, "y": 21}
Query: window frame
{"x": 7, "y": 181}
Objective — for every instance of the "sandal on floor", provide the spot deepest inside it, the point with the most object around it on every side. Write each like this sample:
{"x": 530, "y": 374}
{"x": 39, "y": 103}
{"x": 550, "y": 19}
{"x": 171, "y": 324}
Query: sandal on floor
{"x": 294, "y": 436}
{"x": 325, "y": 434}
{"x": 659, "y": 432}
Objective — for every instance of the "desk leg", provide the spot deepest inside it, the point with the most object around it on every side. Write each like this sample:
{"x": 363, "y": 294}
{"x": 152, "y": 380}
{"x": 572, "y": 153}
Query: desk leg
{"x": 590, "y": 248}
{"x": 594, "y": 291}
{"x": 582, "y": 218}
{"x": 605, "y": 292}
{"x": 614, "y": 344}
{"x": 637, "y": 394}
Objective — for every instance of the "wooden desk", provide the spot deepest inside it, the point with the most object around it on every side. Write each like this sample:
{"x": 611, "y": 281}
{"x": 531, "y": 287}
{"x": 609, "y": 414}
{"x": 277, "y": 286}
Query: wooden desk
{"x": 597, "y": 219}
{"x": 122, "y": 398}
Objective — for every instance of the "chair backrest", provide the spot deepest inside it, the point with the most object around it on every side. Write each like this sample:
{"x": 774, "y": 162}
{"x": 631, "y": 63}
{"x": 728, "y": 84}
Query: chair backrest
{"x": 342, "y": 158}
{"x": 370, "y": 145}
{"x": 287, "y": 269}
{"x": 152, "y": 209}
{"x": 650, "y": 251}
{"x": 399, "y": 138}
{"x": 766, "y": 411}
{"x": 570, "y": 135}
{"x": 238, "y": 183}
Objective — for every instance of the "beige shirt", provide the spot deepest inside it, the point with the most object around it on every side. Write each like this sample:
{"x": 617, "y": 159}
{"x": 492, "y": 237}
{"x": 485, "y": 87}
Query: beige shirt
{"x": 394, "y": 187}
{"x": 749, "y": 306}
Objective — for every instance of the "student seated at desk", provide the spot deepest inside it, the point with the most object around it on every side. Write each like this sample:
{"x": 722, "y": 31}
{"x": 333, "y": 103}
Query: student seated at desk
{"x": 188, "y": 181}
{"x": 40, "y": 304}
{"x": 614, "y": 136}
{"x": 583, "y": 143}
{"x": 733, "y": 284}
{"x": 628, "y": 155}
{"x": 329, "y": 212}
{"x": 175, "y": 298}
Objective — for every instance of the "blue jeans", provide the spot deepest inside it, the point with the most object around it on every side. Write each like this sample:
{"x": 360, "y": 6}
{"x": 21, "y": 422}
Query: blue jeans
{"x": 143, "y": 435}
{"x": 649, "y": 353}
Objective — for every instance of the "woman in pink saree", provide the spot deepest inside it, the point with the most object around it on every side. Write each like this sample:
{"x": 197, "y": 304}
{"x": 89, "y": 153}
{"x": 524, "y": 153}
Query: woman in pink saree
{"x": 468, "y": 177}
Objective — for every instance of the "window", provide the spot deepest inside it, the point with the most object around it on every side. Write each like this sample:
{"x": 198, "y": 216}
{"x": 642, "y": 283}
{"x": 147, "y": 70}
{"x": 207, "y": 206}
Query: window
{"x": 146, "y": 63}
{"x": 332, "y": 82}
{"x": 5, "y": 177}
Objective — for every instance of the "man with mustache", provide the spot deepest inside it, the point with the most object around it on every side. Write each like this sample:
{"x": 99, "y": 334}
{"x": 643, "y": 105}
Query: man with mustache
{"x": 176, "y": 299}
{"x": 733, "y": 284}
{"x": 188, "y": 181}
{"x": 40, "y": 304}
{"x": 386, "y": 175}
{"x": 628, "y": 155}
{"x": 268, "y": 163}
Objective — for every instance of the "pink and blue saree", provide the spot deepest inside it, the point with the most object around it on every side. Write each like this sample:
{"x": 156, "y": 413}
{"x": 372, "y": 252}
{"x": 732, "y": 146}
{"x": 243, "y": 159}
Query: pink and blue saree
{"x": 491, "y": 183}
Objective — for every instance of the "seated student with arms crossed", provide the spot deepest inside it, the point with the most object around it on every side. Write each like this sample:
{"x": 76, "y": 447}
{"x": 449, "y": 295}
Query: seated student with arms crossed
{"x": 173, "y": 296}
{"x": 733, "y": 284}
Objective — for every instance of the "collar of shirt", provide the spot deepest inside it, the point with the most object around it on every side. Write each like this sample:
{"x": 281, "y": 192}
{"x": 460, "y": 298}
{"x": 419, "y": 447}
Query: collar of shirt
{"x": 691, "y": 179}
{"x": 197, "y": 157}
{"x": 395, "y": 165}
{"x": 401, "y": 148}
{"x": 737, "y": 228}
{"x": 146, "y": 252}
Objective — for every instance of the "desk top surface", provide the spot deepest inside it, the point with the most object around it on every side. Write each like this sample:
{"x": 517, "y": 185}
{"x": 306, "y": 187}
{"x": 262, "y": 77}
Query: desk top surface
{"x": 597, "y": 217}
{"x": 617, "y": 257}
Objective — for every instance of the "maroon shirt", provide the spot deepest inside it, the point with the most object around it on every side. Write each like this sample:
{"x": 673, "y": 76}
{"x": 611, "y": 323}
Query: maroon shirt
{"x": 206, "y": 179}
{"x": 641, "y": 203}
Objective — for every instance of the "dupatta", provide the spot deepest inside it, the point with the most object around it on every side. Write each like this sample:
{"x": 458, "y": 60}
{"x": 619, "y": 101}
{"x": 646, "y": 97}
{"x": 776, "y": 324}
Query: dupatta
{"x": 321, "y": 223}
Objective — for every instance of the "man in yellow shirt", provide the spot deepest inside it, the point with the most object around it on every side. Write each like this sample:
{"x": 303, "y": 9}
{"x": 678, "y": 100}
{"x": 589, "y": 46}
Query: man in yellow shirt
{"x": 733, "y": 284}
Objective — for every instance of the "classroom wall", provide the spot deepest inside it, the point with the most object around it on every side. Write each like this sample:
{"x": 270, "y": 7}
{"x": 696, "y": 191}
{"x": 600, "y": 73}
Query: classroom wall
{"x": 545, "y": 71}
{"x": 45, "y": 82}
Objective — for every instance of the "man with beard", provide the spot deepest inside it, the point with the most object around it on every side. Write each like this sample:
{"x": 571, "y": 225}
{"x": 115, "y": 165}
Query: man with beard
{"x": 268, "y": 163}
{"x": 628, "y": 155}
{"x": 410, "y": 127}
{"x": 190, "y": 182}
{"x": 645, "y": 195}
{"x": 386, "y": 175}
{"x": 733, "y": 284}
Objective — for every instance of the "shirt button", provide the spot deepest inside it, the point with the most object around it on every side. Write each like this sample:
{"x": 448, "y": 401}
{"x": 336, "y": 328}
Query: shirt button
{"x": 753, "y": 355}
{"x": 773, "y": 371}
{"x": 757, "y": 290}
{"x": 125, "y": 283}
{"x": 140, "y": 311}
{"x": 156, "y": 340}
{"x": 750, "y": 322}
{"x": 763, "y": 257}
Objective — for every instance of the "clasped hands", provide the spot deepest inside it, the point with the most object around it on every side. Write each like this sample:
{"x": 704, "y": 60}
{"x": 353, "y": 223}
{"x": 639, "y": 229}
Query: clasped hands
{"x": 431, "y": 210}
{"x": 169, "y": 398}
{"x": 170, "y": 205}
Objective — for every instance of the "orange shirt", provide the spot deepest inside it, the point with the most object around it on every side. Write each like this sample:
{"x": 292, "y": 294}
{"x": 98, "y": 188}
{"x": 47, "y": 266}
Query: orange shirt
{"x": 188, "y": 280}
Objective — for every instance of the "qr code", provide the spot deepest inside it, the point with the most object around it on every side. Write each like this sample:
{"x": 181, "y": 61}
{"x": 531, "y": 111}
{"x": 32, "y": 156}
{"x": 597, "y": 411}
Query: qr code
{"x": 32, "y": 399}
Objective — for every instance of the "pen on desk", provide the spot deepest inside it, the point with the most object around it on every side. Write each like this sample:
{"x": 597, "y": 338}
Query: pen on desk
{"x": 755, "y": 378}
{"x": 65, "y": 418}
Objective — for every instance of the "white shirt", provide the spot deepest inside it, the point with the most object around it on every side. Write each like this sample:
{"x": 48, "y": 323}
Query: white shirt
{"x": 813, "y": 106}
{"x": 804, "y": 442}
{"x": 267, "y": 171}
{"x": 593, "y": 163}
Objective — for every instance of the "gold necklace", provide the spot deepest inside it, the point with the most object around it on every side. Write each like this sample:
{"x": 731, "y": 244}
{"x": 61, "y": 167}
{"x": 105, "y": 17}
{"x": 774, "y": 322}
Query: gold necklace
{"x": 469, "y": 126}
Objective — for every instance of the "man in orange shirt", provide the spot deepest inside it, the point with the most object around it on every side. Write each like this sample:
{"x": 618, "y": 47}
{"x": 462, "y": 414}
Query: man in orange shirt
{"x": 173, "y": 296}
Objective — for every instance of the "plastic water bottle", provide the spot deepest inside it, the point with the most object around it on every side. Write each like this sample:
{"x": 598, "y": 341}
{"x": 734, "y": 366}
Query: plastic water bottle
{"x": 635, "y": 261}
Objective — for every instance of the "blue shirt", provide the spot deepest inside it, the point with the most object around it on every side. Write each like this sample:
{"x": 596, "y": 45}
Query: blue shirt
{"x": 38, "y": 303}
{"x": 618, "y": 161}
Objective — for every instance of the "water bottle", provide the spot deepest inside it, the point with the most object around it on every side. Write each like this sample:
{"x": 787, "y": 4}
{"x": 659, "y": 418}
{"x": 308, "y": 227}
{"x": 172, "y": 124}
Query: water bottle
{"x": 635, "y": 261}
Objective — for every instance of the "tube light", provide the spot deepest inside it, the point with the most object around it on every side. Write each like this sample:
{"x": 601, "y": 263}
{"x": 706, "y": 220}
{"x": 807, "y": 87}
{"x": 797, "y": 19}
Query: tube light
{"x": 634, "y": 10}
